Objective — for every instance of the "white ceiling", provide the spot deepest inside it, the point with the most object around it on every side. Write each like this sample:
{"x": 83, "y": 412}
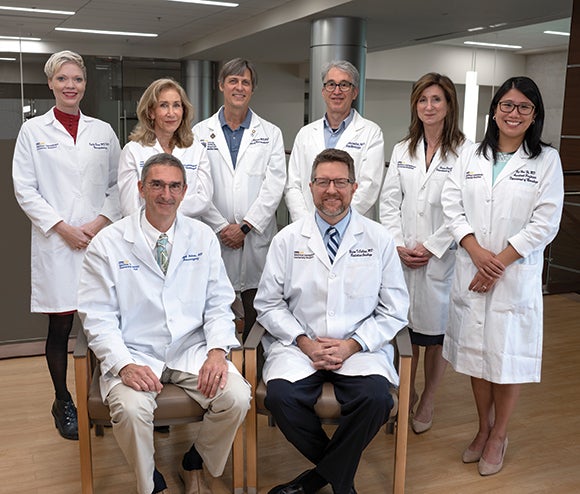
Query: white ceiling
{"x": 277, "y": 30}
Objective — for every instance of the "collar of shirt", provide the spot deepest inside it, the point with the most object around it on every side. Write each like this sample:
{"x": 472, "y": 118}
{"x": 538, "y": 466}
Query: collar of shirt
{"x": 152, "y": 234}
{"x": 244, "y": 125}
{"x": 331, "y": 136}
{"x": 340, "y": 226}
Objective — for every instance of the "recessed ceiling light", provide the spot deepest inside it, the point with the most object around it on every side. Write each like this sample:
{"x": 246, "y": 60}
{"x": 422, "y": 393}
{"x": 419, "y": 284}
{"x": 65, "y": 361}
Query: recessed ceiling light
{"x": 7, "y": 59}
{"x": 19, "y": 38}
{"x": 98, "y": 31}
{"x": 37, "y": 11}
{"x": 208, "y": 2}
{"x": 492, "y": 45}
{"x": 475, "y": 29}
{"x": 559, "y": 33}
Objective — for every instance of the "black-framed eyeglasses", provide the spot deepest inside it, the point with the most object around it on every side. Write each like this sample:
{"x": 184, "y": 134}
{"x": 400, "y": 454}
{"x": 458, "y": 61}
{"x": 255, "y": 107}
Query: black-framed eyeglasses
{"x": 159, "y": 185}
{"x": 344, "y": 86}
{"x": 523, "y": 108}
{"x": 339, "y": 183}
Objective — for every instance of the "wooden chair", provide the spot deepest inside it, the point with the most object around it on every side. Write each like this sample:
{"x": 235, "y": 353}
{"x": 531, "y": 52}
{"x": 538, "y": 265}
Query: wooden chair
{"x": 327, "y": 407}
{"x": 174, "y": 407}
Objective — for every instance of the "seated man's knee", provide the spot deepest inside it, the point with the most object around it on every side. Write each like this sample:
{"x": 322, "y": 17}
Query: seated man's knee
{"x": 237, "y": 394}
{"x": 131, "y": 405}
{"x": 280, "y": 394}
{"x": 378, "y": 395}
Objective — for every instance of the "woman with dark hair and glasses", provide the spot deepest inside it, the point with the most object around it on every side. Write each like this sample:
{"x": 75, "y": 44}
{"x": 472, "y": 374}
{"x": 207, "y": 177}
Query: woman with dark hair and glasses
{"x": 410, "y": 208}
{"x": 502, "y": 202}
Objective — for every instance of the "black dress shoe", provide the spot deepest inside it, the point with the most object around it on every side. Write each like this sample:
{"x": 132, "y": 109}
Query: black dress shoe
{"x": 292, "y": 487}
{"x": 65, "y": 419}
{"x": 163, "y": 429}
{"x": 159, "y": 484}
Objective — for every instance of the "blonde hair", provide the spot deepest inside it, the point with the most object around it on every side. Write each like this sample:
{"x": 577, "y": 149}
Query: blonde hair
{"x": 144, "y": 131}
{"x": 57, "y": 59}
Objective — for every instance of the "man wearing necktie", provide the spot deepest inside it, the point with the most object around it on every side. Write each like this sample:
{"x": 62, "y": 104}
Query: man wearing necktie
{"x": 155, "y": 301}
{"x": 332, "y": 297}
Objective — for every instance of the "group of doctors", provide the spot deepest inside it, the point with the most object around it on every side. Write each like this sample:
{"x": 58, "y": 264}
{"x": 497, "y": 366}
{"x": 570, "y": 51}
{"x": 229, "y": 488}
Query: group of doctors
{"x": 470, "y": 221}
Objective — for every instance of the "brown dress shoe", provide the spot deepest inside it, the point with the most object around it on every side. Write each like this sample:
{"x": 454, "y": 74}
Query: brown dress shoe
{"x": 194, "y": 481}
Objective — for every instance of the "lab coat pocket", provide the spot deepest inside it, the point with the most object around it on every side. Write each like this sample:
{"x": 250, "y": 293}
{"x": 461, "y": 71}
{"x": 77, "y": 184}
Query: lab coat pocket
{"x": 362, "y": 280}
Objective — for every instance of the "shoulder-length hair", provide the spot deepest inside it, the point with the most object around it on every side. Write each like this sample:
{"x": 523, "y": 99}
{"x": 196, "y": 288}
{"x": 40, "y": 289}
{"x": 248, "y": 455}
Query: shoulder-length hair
{"x": 144, "y": 131}
{"x": 452, "y": 137}
{"x": 533, "y": 137}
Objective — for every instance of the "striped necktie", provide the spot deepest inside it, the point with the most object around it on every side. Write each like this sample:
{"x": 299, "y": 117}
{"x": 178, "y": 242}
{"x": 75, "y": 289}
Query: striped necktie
{"x": 332, "y": 244}
{"x": 161, "y": 255}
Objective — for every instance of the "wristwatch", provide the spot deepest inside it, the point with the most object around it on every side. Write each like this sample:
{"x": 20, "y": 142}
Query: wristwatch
{"x": 245, "y": 228}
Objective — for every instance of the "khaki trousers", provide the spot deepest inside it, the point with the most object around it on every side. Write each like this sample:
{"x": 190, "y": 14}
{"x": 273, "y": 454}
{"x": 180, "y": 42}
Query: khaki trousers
{"x": 132, "y": 419}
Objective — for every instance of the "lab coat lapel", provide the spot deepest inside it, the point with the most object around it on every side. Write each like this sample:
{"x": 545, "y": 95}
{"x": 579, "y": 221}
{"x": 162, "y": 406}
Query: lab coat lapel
{"x": 350, "y": 239}
{"x": 249, "y": 134}
{"x": 179, "y": 248}
{"x": 217, "y": 135}
{"x": 315, "y": 241}
{"x": 141, "y": 249}
{"x": 518, "y": 160}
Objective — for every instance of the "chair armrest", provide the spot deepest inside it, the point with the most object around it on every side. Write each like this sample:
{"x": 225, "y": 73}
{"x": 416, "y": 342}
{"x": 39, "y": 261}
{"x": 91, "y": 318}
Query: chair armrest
{"x": 81, "y": 347}
{"x": 255, "y": 336}
{"x": 403, "y": 343}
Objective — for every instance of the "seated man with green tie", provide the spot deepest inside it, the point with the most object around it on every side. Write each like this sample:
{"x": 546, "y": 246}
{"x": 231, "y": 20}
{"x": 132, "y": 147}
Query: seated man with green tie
{"x": 332, "y": 297}
{"x": 155, "y": 299}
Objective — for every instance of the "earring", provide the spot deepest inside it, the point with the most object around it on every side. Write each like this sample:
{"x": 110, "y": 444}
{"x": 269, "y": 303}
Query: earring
{"x": 494, "y": 117}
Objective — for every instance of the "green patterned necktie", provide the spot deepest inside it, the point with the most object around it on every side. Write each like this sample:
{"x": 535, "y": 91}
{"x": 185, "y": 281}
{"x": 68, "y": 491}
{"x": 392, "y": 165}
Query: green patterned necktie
{"x": 161, "y": 255}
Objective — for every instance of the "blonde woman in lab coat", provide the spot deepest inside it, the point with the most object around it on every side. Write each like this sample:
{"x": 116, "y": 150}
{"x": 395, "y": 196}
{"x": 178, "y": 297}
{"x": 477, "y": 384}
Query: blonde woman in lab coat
{"x": 65, "y": 180}
{"x": 410, "y": 208}
{"x": 165, "y": 114}
{"x": 503, "y": 202}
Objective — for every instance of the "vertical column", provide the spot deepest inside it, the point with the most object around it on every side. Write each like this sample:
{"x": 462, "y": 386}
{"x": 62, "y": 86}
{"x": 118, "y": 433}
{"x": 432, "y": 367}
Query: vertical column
{"x": 336, "y": 38}
{"x": 201, "y": 87}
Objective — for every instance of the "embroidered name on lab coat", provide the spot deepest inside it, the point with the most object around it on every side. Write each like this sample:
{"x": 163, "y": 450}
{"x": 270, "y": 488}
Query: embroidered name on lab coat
{"x": 361, "y": 252}
{"x": 192, "y": 257}
{"x": 99, "y": 145}
{"x": 443, "y": 169}
{"x": 41, "y": 146}
{"x": 407, "y": 166}
{"x": 525, "y": 176}
{"x": 260, "y": 140}
{"x": 190, "y": 166}
{"x": 469, "y": 175}
{"x": 127, "y": 265}
{"x": 355, "y": 145}
{"x": 298, "y": 254}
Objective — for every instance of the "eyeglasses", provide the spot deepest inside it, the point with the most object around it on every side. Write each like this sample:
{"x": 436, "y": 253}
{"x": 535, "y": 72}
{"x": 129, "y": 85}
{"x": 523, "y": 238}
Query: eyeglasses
{"x": 344, "y": 86}
{"x": 339, "y": 183}
{"x": 159, "y": 185}
{"x": 523, "y": 108}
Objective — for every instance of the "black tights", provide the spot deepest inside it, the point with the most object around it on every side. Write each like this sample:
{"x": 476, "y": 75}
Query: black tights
{"x": 249, "y": 311}
{"x": 59, "y": 328}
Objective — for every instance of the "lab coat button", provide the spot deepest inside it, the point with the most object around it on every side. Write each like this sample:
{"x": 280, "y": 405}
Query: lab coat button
{"x": 331, "y": 313}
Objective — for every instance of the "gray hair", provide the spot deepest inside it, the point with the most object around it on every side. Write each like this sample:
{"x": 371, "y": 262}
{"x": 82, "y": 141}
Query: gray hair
{"x": 162, "y": 159}
{"x": 57, "y": 59}
{"x": 237, "y": 66}
{"x": 343, "y": 65}
{"x": 331, "y": 155}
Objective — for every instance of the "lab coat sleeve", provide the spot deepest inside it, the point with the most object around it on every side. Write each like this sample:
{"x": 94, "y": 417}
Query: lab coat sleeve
{"x": 370, "y": 172}
{"x": 26, "y": 187}
{"x": 293, "y": 194}
{"x": 128, "y": 177}
{"x": 98, "y": 308}
{"x": 545, "y": 219}
{"x": 112, "y": 207}
{"x": 270, "y": 301}
{"x": 391, "y": 199}
{"x": 263, "y": 209}
{"x": 390, "y": 315}
{"x": 199, "y": 196}
{"x": 218, "y": 326}
{"x": 452, "y": 201}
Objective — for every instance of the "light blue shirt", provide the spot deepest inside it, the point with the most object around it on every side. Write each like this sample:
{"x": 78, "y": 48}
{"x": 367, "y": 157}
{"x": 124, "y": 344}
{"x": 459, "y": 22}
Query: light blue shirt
{"x": 234, "y": 137}
{"x": 331, "y": 136}
{"x": 499, "y": 165}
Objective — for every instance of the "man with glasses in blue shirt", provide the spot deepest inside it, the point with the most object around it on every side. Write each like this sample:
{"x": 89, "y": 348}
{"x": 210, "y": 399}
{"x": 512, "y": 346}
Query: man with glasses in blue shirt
{"x": 332, "y": 297}
{"x": 342, "y": 127}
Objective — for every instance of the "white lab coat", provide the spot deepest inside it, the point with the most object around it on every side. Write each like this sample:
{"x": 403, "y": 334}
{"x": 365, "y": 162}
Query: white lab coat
{"x": 251, "y": 192}
{"x": 362, "y": 139}
{"x": 410, "y": 208}
{"x": 198, "y": 173}
{"x": 57, "y": 180}
{"x": 132, "y": 313}
{"x": 497, "y": 336}
{"x": 362, "y": 293}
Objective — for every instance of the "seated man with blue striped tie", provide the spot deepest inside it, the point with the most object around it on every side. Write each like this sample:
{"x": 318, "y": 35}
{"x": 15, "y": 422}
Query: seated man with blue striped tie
{"x": 332, "y": 297}
{"x": 155, "y": 299}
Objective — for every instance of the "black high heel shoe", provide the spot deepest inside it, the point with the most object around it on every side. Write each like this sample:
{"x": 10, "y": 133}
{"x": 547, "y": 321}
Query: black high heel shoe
{"x": 65, "y": 419}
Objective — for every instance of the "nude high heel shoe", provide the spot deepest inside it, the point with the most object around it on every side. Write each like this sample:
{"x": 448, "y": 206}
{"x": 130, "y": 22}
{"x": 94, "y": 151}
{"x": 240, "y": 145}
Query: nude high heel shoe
{"x": 486, "y": 468}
